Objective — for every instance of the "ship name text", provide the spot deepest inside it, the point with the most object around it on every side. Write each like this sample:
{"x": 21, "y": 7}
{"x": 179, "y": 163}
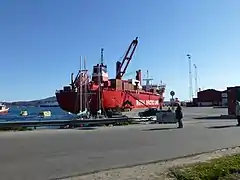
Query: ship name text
{"x": 147, "y": 102}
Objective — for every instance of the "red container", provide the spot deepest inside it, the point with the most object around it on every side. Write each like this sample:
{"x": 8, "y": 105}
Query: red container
{"x": 233, "y": 94}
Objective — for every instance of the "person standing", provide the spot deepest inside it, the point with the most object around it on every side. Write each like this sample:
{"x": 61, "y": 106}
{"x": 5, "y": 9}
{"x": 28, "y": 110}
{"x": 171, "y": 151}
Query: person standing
{"x": 179, "y": 115}
{"x": 237, "y": 112}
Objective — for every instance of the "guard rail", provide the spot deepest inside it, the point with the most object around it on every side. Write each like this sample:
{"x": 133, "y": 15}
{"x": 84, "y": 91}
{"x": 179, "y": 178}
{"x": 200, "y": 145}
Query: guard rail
{"x": 10, "y": 124}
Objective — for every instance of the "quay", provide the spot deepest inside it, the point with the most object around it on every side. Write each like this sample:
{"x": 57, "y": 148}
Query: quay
{"x": 51, "y": 154}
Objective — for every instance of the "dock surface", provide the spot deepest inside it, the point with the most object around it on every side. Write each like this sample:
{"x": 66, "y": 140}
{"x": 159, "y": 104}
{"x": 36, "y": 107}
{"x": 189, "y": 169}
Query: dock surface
{"x": 51, "y": 154}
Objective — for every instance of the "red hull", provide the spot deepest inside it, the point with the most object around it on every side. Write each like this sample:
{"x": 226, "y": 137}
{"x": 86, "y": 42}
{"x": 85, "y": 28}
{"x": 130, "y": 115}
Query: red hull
{"x": 70, "y": 101}
{"x": 5, "y": 111}
{"x": 115, "y": 94}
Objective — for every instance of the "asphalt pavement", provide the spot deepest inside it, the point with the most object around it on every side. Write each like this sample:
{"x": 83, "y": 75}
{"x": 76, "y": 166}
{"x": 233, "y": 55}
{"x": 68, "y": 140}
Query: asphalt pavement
{"x": 50, "y": 154}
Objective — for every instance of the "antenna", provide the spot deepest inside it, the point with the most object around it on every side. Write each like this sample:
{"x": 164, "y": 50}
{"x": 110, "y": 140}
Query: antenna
{"x": 84, "y": 64}
{"x": 102, "y": 55}
{"x": 196, "y": 79}
{"x": 80, "y": 87}
{"x": 85, "y": 84}
{"x": 99, "y": 83}
{"x": 190, "y": 78}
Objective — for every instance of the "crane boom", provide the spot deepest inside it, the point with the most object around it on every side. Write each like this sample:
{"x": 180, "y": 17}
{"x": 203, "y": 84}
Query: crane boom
{"x": 122, "y": 66}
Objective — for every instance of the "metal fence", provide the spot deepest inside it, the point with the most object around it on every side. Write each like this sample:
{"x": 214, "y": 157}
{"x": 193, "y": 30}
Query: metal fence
{"x": 62, "y": 123}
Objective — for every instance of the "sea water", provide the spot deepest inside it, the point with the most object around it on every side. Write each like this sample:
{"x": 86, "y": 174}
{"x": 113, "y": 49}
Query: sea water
{"x": 14, "y": 114}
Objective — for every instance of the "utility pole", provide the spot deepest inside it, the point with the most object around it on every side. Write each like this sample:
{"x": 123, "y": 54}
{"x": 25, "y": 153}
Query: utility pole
{"x": 190, "y": 78}
{"x": 196, "y": 79}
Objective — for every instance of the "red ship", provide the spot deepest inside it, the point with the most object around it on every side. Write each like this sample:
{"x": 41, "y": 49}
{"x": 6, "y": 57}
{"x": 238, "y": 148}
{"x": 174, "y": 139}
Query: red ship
{"x": 101, "y": 94}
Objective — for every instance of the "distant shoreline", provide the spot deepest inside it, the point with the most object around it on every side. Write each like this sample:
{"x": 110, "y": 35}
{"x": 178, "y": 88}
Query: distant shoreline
{"x": 34, "y": 103}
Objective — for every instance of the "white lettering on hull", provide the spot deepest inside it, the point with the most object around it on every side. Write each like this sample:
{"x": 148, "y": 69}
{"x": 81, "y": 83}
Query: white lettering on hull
{"x": 147, "y": 102}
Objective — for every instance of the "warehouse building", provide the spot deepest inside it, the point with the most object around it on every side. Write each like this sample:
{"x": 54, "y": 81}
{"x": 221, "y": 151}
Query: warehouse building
{"x": 210, "y": 97}
{"x": 227, "y": 98}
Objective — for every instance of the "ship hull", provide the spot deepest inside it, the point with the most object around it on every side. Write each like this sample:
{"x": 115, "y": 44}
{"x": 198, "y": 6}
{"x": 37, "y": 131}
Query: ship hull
{"x": 70, "y": 101}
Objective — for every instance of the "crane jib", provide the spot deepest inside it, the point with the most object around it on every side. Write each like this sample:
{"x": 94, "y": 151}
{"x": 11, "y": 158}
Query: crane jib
{"x": 127, "y": 58}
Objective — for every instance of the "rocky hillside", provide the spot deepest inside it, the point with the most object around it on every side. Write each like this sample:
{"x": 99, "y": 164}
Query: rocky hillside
{"x": 32, "y": 103}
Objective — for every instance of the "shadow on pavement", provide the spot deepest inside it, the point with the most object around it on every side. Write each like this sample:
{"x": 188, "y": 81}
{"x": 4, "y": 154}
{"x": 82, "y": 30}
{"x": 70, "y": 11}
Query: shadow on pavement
{"x": 159, "y": 129}
{"x": 216, "y": 117}
{"x": 86, "y": 128}
{"x": 221, "y": 127}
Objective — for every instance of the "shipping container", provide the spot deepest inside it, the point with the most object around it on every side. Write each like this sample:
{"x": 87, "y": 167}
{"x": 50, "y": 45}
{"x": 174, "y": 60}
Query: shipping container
{"x": 128, "y": 86}
{"x": 113, "y": 83}
{"x": 124, "y": 85}
{"x": 118, "y": 84}
{"x": 131, "y": 87}
{"x": 233, "y": 94}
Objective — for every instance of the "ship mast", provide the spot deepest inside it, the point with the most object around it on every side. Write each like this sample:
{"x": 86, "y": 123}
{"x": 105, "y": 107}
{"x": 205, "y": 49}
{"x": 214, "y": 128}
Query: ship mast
{"x": 148, "y": 80}
{"x": 102, "y": 61}
{"x": 85, "y": 85}
{"x": 99, "y": 84}
{"x": 80, "y": 87}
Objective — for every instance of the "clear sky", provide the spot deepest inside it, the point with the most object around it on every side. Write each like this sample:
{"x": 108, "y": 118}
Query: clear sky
{"x": 41, "y": 41}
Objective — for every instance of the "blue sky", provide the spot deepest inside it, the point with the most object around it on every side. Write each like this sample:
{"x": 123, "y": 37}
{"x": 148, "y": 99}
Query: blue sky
{"x": 41, "y": 41}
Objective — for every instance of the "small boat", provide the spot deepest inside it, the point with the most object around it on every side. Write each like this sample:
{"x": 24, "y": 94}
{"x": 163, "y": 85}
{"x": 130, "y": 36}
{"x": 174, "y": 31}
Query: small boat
{"x": 24, "y": 113}
{"x": 45, "y": 114}
{"x": 3, "y": 109}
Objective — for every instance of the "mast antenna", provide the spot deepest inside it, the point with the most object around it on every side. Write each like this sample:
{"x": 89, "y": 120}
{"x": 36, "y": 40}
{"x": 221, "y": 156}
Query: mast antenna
{"x": 190, "y": 77}
{"x": 102, "y": 60}
{"x": 80, "y": 87}
{"x": 85, "y": 85}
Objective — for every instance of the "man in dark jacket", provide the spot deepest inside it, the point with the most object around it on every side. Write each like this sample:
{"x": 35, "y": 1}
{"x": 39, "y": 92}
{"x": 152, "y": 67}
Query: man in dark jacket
{"x": 179, "y": 116}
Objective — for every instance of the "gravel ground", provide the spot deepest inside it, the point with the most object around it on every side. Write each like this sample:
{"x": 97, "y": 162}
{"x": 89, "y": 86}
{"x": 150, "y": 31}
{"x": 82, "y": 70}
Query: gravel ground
{"x": 154, "y": 171}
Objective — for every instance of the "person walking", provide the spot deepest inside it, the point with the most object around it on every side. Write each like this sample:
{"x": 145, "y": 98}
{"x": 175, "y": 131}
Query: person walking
{"x": 179, "y": 115}
{"x": 237, "y": 112}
